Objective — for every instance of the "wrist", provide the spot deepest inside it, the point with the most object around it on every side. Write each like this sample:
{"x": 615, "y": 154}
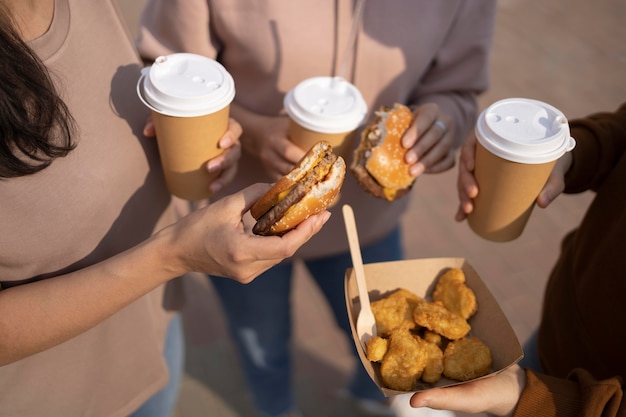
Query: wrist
{"x": 518, "y": 382}
{"x": 164, "y": 252}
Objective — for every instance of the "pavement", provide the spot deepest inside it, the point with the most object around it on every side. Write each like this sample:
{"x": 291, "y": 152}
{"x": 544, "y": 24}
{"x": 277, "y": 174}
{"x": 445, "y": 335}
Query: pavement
{"x": 569, "y": 53}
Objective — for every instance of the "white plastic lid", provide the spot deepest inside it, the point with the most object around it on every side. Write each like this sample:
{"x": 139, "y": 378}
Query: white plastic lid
{"x": 326, "y": 105}
{"x": 524, "y": 130}
{"x": 186, "y": 85}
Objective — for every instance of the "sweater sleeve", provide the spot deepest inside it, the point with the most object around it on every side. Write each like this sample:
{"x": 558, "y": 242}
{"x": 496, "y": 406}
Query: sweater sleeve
{"x": 460, "y": 70}
{"x": 600, "y": 143}
{"x": 578, "y": 396}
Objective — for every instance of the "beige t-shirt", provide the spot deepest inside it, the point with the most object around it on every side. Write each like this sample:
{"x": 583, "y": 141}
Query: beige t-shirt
{"x": 106, "y": 196}
{"x": 408, "y": 51}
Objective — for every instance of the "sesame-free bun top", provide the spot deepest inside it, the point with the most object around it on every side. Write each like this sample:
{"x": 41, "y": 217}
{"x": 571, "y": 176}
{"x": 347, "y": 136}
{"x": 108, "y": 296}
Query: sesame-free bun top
{"x": 378, "y": 163}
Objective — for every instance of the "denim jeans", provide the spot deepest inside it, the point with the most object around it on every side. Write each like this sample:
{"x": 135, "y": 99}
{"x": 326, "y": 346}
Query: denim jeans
{"x": 531, "y": 353}
{"x": 163, "y": 402}
{"x": 260, "y": 320}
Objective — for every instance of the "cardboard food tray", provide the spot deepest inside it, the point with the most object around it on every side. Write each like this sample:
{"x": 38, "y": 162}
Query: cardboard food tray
{"x": 419, "y": 276}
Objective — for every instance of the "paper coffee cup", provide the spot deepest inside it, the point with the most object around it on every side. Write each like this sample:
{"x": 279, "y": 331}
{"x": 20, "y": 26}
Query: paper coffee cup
{"x": 325, "y": 108}
{"x": 190, "y": 97}
{"x": 519, "y": 141}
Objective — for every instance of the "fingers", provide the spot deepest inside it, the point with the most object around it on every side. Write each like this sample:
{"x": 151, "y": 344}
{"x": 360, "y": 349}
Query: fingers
{"x": 467, "y": 187}
{"x": 226, "y": 159}
{"x": 252, "y": 193}
{"x": 274, "y": 249}
{"x": 269, "y": 142}
{"x": 305, "y": 230}
{"x": 461, "y": 398}
{"x": 293, "y": 153}
{"x": 439, "y": 161}
{"x": 232, "y": 133}
{"x": 556, "y": 181}
{"x": 227, "y": 163}
{"x": 468, "y": 152}
{"x": 467, "y": 190}
{"x": 496, "y": 395}
{"x": 554, "y": 186}
{"x": 225, "y": 177}
{"x": 429, "y": 141}
{"x": 278, "y": 165}
{"x": 280, "y": 155}
{"x": 148, "y": 129}
{"x": 271, "y": 250}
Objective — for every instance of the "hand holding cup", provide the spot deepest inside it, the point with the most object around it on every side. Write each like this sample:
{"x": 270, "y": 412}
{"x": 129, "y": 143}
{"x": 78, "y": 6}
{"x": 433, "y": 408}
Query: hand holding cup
{"x": 190, "y": 97}
{"x": 517, "y": 144}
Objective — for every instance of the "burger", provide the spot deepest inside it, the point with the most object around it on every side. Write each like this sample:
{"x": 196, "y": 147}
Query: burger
{"x": 309, "y": 188}
{"x": 378, "y": 161}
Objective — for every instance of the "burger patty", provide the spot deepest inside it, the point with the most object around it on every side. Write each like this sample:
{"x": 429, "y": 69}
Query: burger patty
{"x": 297, "y": 193}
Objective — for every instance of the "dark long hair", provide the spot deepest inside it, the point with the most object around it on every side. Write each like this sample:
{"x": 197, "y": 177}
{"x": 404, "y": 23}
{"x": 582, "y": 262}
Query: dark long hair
{"x": 35, "y": 124}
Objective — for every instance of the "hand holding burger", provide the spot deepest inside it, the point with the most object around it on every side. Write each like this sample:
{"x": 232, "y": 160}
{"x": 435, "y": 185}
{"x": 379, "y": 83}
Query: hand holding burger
{"x": 378, "y": 162}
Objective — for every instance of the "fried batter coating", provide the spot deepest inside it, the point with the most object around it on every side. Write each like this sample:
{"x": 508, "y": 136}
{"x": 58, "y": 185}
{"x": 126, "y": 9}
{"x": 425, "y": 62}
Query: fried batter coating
{"x": 466, "y": 359}
{"x": 435, "y": 317}
{"x": 404, "y": 362}
{"x": 376, "y": 348}
{"x": 455, "y": 295}
{"x": 432, "y": 337}
{"x": 403, "y": 292}
{"x": 395, "y": 311}
{"x": 434, "y": 364}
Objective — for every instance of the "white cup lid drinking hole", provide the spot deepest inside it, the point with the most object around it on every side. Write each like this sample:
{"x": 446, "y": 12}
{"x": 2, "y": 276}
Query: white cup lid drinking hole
{"x": 524, "y": 130}
{"x": 326, "y": 105}
{"x": 186, "y": 85}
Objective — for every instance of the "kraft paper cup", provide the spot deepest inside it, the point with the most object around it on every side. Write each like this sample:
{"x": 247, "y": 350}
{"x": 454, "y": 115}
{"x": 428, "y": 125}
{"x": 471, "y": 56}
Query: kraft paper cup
{"x": 519, "y": 141}
{"x": 190, "y": 97}
{"x": 325, "y": 108}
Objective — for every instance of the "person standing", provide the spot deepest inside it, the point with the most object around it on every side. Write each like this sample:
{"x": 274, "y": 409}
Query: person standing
{"x": 431, "y": 56}
{"x": 88, "y": 238}
{"x": 581, "y": 367}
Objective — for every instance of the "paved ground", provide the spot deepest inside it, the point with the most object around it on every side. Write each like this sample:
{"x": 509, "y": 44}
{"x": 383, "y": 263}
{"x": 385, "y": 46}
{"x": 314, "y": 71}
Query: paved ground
{"x": 570, "y": 53}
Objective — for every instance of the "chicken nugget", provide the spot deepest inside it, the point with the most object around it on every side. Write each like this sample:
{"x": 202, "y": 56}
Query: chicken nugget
{"x": 432, "y": 337}
{"x": 434, "y": 364}
{"x": 466, "y": 359}
{"x": 376, "y": 348}
{"x": 434, "y": 316}
{"x": 394, "y": 311}
{"x": 404, "y": 361}
{"x": 455, "y": 295}
{"x": 412, "y": 298}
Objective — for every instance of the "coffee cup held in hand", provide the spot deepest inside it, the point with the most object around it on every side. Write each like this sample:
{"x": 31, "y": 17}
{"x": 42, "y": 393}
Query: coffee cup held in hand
{"x": 519, "y": 141}
{"x": 190, "y": 97}
{"x": 326, "y": 109}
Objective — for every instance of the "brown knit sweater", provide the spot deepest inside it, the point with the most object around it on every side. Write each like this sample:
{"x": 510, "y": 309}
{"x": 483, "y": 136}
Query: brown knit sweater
{"x": 582, "y": 346}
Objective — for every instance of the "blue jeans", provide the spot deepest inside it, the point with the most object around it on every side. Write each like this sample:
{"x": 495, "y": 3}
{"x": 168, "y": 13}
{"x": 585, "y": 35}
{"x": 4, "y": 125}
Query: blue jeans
{"x": 163, "y": 402}
{"x": 259, "y": 316}
{"x": 531, "y": 353}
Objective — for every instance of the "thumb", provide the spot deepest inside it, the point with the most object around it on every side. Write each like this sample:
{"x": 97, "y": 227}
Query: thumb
{"x": 554, "y": 186}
